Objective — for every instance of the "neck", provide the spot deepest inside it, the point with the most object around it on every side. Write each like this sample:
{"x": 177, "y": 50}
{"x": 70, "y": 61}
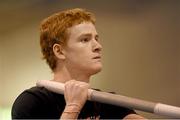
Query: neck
{"x": 63, "y": 75}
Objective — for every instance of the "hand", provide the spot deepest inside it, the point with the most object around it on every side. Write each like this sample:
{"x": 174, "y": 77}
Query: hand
{"x": 76, "y": 93}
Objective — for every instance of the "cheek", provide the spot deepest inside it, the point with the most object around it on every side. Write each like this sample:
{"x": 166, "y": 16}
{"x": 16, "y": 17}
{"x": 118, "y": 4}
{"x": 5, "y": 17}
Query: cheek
{"x": 81, "y": 53}
{"x": 77, "y": 55}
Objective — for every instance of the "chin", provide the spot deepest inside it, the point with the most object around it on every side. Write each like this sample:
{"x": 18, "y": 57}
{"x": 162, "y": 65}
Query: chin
{"x": 96, "y": 69}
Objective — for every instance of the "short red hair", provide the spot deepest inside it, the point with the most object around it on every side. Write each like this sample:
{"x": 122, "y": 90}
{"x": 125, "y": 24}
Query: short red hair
{"x": 54, "y": 30}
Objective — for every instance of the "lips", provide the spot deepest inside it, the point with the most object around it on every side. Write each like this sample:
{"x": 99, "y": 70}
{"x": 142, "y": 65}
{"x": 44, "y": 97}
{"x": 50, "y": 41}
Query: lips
{"x": 97, "y": 57}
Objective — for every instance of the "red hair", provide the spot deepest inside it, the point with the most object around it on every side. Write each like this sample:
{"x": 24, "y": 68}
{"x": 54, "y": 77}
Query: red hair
{"x": 54, "y": 30}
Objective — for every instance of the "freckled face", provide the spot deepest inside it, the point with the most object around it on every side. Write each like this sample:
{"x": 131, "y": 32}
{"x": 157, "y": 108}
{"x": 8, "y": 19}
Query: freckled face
{"x": 83, "y": 50}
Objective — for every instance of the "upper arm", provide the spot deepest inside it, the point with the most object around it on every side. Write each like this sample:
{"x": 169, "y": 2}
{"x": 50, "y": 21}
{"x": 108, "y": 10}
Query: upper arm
{"x": 26, "y": 106}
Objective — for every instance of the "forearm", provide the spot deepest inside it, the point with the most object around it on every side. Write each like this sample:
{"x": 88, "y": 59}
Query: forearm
{"x": 70, "y": 112}
{"x": 75, "y": 94}
{"x": 69, "y": 115}
{"x": 134, "y": 117}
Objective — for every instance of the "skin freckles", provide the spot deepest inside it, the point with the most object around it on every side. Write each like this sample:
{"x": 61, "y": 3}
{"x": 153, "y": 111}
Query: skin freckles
{"x": 83, "y": 50}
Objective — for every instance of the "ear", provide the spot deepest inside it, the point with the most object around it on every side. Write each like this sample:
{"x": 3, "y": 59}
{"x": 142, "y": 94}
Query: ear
{"x": 58, "y": 51}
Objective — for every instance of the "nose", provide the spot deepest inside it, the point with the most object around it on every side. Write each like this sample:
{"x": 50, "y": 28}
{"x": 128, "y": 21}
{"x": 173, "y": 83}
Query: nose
{"x": 97, "y": 47}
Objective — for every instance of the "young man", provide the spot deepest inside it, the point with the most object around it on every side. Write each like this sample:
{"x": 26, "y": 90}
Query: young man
{"x": 70, "y": 44}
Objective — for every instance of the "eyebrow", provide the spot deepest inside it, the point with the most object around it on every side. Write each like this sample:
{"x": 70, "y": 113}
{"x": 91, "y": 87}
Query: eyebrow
{"x": 88, "y": 35}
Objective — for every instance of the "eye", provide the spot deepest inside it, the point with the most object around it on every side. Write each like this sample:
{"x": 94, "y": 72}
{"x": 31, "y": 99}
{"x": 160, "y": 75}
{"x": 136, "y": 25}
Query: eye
{"x": 97, "y": 38}
{"x": 84, "y": 40}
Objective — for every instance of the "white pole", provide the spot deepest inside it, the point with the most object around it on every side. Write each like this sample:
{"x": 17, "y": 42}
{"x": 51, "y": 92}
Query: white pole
{"x": 119, "y": 100}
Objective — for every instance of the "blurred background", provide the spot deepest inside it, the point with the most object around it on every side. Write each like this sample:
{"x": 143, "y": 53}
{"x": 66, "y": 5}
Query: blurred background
{"x": 141, "y": 48}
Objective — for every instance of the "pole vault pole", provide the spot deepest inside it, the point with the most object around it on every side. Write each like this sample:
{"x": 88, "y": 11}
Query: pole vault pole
{"x": 118, "y": 100}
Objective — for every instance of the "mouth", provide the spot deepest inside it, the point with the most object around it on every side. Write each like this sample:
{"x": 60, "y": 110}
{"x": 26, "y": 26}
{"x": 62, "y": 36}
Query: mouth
{"x": 97, "y": 57}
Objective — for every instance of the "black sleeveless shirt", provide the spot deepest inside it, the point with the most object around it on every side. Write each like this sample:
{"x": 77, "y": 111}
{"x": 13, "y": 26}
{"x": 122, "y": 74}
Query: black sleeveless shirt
{"x": 40, "y": 103}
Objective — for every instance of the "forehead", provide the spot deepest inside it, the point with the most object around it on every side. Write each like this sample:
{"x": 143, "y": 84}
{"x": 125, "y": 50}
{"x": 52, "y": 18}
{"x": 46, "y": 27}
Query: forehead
{"x": 83, "y": 28}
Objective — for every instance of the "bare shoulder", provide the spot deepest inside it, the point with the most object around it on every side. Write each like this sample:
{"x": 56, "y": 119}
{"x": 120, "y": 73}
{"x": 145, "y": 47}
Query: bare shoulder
{"x": 134, "y": 117}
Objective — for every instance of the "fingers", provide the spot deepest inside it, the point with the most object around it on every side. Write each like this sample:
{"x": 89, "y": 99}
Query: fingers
{"x": 76, "y": 92}
{"x": 76, "y": 83}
